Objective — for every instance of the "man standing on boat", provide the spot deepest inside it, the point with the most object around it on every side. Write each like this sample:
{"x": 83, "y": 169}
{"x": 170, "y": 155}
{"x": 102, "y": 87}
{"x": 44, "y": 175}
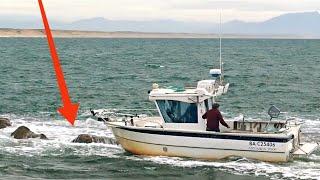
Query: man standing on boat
{"x": 213, "y": 117}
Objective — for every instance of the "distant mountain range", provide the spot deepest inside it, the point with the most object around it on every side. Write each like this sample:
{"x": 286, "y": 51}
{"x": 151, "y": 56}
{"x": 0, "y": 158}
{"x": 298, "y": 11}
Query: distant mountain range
{"x": 306, "y": 24}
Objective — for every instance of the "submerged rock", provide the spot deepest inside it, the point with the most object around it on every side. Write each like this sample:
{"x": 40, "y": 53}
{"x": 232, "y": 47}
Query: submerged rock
{"x": 24, "y": 133}
{"x": 87, "y": 138}
{"x": 4, "y": 122}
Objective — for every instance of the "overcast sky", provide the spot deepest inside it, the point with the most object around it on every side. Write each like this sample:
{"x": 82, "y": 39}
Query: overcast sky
{"x": 182, "y": 10}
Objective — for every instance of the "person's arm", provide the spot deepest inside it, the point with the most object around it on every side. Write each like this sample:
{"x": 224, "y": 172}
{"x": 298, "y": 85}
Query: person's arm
{"x": 222, "y": 121}
{"x": 204, "y": 116}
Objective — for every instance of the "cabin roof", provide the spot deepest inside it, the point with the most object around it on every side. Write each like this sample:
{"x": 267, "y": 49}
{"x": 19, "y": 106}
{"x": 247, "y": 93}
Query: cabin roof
{"x": 169, "y": 91}
{"x": 186, "y": 95}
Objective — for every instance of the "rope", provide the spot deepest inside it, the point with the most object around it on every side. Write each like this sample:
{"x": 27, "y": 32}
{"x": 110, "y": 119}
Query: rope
{"x": 302, "y": 150}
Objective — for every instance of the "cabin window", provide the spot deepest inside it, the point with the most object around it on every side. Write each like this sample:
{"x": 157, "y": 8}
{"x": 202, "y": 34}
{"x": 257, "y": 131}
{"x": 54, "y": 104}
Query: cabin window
{"x": 178, "y": 112}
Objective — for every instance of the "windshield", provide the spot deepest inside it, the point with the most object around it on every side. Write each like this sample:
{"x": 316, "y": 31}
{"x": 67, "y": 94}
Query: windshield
{"x": 177, "y": 111}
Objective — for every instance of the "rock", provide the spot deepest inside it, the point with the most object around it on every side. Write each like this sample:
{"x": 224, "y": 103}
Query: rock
{"x": 86, "y": 138}
{"x": 4, "y": 122}
{"x": 24, "y": 133}
{"x": 83, "y": 138}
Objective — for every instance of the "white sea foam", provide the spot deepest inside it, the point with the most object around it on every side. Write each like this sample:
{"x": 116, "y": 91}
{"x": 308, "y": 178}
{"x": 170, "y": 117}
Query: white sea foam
{"x": 60, "y": 135}
{"x": 291, "y": 170}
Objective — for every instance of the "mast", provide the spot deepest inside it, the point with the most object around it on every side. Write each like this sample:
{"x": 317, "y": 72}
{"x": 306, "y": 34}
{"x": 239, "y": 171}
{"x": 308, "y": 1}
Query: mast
{"x": 220, "y": 58}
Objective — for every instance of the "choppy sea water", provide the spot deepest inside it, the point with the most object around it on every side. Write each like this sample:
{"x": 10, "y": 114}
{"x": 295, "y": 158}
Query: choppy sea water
{"x": 117, "y": 73}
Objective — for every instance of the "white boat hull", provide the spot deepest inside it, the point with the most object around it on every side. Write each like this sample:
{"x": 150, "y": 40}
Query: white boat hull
{"x": 206, "y": 145}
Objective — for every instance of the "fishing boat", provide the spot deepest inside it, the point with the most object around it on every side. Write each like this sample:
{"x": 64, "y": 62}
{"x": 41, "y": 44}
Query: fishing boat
{"x": 179, "y": 130}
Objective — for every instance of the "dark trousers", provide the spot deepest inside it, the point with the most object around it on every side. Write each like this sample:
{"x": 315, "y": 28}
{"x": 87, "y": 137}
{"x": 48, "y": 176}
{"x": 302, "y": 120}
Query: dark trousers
{"x": 216, "y": 130}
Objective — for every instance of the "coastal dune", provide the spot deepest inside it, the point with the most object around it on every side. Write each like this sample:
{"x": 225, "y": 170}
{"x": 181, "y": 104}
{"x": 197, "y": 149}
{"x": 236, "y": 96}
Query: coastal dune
{"x": 39, "y": 33}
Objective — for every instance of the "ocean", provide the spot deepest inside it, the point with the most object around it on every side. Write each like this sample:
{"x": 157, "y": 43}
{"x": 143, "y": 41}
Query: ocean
{"x": 117, "y": 74}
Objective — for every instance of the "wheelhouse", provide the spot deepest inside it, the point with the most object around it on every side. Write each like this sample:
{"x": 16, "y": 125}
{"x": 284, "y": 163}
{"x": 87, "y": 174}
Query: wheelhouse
{"x": 182, "y": 109}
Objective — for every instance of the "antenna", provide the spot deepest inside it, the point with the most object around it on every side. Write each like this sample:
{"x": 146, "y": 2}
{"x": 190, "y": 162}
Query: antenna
{"x": 218, "y": 72}
{"x": 221, "y": 65}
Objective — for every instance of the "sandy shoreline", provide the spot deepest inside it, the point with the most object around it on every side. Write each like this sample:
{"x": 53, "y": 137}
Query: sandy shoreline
{"x": 37, "y": 33}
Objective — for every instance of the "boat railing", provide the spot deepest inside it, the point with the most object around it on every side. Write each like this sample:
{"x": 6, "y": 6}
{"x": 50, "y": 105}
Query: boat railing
{"x": 116, "y": 114}
{"x": 258, "y": 126}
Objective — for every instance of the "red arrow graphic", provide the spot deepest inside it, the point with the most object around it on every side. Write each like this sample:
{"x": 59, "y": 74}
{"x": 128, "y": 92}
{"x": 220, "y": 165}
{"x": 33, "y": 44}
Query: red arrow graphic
{"x": 69, "y": 110}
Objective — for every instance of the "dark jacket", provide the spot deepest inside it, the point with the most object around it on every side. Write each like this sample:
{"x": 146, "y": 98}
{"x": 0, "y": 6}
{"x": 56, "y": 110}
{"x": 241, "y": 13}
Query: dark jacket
{"x": 213, "y": 117}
